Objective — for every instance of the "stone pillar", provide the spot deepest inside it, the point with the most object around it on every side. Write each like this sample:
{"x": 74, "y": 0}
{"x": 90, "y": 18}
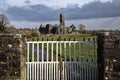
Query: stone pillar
{"x": 108, "y": 56}
{"x": 12, "y": 57}
{"x": 62, "y": 20}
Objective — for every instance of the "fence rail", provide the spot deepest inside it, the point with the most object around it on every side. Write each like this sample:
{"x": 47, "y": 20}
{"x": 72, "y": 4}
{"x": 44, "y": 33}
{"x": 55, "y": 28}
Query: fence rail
{"x": 57, "y": 60}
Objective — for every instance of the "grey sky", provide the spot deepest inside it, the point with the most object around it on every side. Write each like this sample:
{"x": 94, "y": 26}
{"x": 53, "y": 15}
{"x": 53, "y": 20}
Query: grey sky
{"x": 49, "y": 3}
{"x": 41, "y": 12}
{"x": 49, "y": 10}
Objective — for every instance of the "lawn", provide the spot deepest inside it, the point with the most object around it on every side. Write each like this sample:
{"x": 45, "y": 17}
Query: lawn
{"x": 83, "y": 50}
{"x": 67, "y": 37}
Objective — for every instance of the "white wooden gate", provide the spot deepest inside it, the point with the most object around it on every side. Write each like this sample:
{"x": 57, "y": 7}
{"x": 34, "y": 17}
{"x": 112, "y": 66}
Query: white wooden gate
{"x": 61, "y": 60}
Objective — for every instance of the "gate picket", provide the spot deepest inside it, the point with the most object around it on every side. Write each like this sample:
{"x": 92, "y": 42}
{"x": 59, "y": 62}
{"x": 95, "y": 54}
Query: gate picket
{"x": 78, "y": 60}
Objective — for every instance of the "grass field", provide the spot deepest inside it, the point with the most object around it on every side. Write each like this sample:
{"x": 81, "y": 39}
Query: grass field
{"x": 79, "y": 51}
{"x": 62, "y": 37}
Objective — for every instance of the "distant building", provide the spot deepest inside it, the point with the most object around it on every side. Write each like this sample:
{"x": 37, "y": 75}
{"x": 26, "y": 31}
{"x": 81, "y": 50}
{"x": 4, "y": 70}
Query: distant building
{"x": 57, "y": 28}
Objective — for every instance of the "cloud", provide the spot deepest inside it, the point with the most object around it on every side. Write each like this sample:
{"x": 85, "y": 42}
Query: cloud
{"x": 41, "y": 12}
{"x": 27, "y": 1}
{"x": 71, "y": 5}
{"x": 3, "y": 6}
{"x": 32, "y": 13}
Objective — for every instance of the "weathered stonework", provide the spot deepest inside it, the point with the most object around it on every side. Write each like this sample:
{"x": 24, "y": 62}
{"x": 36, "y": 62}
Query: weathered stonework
{"x": 109, "y": 56}
{"x": 12, "y": 57}
{"x": 58, "y": 29}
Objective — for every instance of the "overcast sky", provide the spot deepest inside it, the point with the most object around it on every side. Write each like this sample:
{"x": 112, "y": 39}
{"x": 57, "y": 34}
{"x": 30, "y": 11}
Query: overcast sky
{"x": 49, "y": 10}
{"x": 49, "y": 3}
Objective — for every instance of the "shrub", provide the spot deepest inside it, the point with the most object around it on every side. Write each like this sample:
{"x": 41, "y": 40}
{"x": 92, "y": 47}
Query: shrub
{"x": 34, "y": 34}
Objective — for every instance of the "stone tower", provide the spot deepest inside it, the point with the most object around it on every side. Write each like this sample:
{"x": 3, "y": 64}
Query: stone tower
{"x": 62, "y": 20}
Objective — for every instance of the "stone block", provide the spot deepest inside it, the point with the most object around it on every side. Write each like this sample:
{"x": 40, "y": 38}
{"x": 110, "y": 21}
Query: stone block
{"x": 110, "y": 55}
{"x": 12, "y": 57}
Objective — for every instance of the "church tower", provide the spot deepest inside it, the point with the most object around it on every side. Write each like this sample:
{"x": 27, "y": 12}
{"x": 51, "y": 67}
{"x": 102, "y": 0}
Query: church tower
{"x": 62, "y": 20}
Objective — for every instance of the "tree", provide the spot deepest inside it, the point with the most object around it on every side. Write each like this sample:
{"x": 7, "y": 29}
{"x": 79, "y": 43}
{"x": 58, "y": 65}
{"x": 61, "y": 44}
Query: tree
{"x": 3, "y": 22}
{"x": 81, "y": 27}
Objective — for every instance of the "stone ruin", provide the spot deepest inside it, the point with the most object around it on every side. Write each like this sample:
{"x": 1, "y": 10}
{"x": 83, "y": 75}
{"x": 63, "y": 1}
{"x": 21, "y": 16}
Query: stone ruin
{"x": 109, "y": 56}
{"x": 57, "y": 28}
{"x": 12, "y": 57}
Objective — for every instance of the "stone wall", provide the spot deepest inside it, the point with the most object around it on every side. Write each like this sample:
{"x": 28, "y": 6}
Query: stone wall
{"x": 57, "y": 29}
{"x": 109, "y": 56}
{"x": 12, "y": 57}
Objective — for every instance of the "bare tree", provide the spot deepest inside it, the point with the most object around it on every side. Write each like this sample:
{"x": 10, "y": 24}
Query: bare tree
{"x": 81, "y": 27}
{"x": 3, "y": 22}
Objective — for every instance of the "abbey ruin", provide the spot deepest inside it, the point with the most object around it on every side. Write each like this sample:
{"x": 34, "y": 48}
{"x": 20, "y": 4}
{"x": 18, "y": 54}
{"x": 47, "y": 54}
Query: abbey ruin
{"x": 57, "y": 28}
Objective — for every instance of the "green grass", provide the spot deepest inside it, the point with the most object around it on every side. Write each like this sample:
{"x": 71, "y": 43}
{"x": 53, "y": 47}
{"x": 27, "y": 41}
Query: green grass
{"x": 83, "y": 52}
{"x": 62, "y": 37}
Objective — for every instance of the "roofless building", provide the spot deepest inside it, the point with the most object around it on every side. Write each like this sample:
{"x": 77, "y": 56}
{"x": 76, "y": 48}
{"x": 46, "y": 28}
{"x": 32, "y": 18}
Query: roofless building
{"x": 57, "y": 28}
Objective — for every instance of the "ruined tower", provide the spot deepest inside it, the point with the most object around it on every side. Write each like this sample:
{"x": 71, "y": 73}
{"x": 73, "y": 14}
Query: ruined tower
{"x": 62, "y": 20}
